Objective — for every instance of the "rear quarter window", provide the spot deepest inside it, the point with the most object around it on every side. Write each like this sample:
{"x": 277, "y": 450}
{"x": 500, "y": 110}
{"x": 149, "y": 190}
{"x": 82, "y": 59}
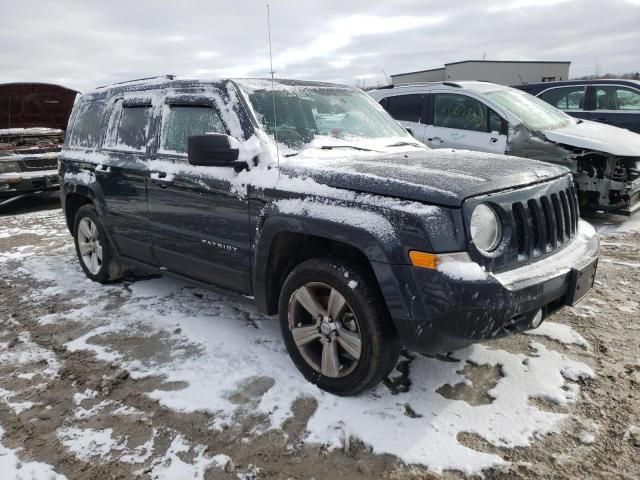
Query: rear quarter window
{"x": 88, "y": 125}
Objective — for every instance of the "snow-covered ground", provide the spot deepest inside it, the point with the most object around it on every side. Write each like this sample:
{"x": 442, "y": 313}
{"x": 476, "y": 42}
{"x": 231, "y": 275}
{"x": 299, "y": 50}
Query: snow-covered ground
{"x": 209, "y": 349}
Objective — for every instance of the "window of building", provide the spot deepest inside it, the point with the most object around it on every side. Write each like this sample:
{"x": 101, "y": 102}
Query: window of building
{"x": 181, "y": 121}
{"x": 405, "y": 107}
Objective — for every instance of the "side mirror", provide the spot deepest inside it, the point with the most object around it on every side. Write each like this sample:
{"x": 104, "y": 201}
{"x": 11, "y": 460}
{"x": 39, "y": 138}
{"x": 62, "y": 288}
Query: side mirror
{"x": 212, "y": 150}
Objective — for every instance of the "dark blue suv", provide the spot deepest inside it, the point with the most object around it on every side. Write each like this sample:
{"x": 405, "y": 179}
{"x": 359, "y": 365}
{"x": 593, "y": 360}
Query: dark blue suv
{"x": 311, "y": 200}
{"x": 615, "y": 102}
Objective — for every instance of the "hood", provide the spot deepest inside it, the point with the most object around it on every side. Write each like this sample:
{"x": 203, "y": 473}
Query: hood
{"x": 439, "y": 177}
{"x": 597, "y": 136}
{"x": 28, "y": 105}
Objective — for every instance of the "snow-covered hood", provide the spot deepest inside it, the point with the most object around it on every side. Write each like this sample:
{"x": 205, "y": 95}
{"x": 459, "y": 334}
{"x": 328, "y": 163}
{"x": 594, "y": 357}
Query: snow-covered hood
{"x": 439, "y": 177}
{"x": 597, "y": 136}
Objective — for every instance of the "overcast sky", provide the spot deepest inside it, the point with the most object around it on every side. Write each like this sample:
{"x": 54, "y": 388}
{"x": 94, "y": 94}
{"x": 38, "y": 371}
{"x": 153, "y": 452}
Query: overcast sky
{"x": 82, "y": 44}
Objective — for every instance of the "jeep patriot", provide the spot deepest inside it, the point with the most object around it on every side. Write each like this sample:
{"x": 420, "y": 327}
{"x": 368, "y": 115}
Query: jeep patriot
{"x": 311, "y": 200}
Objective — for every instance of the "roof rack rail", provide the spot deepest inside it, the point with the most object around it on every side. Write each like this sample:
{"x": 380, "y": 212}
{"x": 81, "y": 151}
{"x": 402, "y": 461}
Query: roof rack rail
{"x": 385, "y": 87}
{"x": 417, "y": 84}
{"x": 168, "y": 77}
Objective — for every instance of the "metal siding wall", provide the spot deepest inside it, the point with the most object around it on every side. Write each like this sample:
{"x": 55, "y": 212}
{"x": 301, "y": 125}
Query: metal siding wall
{"x": 506, "y": 73}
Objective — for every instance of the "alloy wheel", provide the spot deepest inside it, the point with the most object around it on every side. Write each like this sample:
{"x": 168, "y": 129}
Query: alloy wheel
{"x": 325, "y": 329}
{"x": 89, "y": 245}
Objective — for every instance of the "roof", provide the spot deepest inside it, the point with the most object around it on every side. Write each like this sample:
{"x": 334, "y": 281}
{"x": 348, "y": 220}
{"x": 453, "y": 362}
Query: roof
{"x": 509, "y": 61}
{"x": 418, "y": 71}
{"x": 171, "y": 81}
{"x": 482, "y": 61}
{"x": 617, "y": 81}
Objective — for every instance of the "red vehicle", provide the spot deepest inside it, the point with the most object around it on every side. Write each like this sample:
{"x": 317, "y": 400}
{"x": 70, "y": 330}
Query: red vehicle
{"x": 33, "y": 120}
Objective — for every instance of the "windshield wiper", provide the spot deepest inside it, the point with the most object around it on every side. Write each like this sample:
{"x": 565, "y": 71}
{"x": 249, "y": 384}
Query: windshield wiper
{"x": 331, "y": 147}
{"x": 403, "y": 144}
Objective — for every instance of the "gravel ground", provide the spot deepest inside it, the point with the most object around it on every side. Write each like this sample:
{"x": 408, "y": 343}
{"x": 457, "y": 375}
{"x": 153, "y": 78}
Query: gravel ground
{"x": 75, "y": 401}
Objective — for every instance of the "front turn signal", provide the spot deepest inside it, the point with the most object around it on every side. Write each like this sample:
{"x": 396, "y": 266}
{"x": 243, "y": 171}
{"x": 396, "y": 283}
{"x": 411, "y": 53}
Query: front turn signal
{"x": 424, "y": 260}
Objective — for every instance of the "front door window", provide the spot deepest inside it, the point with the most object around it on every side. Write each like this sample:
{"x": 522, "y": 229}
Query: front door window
{"x": 565, "y": 98}
{"x": 617, "y": 98}
{"x": 181, "y": 121}
{"x": 461, "y": 121}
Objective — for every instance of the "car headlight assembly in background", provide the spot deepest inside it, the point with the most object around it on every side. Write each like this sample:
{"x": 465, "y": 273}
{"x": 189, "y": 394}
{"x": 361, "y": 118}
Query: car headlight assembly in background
{"x": 9, "y": 167}
{"x": 486, "y": 230}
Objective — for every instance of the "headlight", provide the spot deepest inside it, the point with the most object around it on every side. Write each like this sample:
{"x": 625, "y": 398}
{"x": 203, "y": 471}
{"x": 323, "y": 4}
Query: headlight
{"x": 486, "y": 231}
{"x": 9, "y": 167}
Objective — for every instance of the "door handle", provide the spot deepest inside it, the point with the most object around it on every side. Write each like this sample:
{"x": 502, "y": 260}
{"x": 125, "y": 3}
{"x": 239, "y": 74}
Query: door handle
{"x": 493, "y": 140}
{"x": 160, "y": 179}
{"x": 435, "y": 140}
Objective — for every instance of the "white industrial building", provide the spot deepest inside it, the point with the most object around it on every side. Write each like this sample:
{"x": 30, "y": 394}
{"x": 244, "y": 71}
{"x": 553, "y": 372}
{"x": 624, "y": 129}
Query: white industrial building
{"x": 495, "y": 71}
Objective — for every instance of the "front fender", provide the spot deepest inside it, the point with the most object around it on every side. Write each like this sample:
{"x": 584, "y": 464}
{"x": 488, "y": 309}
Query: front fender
{"x": 352, "y": 226}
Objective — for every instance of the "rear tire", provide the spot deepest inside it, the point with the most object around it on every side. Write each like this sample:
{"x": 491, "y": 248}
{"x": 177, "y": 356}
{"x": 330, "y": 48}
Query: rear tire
{"x": 97, "y": 257}
{"x": 335, "y": 326}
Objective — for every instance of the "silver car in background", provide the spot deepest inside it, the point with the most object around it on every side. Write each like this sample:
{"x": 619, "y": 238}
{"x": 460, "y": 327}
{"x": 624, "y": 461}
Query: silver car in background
{"x": 487, "y": 117}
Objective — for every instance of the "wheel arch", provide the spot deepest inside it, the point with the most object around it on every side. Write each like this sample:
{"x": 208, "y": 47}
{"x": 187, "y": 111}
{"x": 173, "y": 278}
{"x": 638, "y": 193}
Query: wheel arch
{"x": 73, "y": 200}
{"x": 285, "y": 241}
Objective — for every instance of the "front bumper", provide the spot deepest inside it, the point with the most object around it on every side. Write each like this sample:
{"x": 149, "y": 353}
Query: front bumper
{"x": 14, "y": 186}
{"x": 600, "y": 192}
{"x": 450, "y": 313}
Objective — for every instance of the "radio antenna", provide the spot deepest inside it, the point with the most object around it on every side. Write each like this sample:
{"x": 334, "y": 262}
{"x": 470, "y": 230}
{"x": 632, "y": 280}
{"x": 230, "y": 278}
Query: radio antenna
{"x": 273, "y": 91}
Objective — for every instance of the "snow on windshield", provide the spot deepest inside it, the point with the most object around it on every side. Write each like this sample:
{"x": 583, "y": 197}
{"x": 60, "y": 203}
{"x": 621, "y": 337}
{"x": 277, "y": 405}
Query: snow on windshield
{"x": 534, "y": 113}
{"x": 300, "y": 116}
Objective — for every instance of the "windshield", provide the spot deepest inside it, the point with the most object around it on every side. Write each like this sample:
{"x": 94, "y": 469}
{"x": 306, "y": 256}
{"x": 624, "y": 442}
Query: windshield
{"x": 534, "y": 113}
{"x": 325, "y": 117}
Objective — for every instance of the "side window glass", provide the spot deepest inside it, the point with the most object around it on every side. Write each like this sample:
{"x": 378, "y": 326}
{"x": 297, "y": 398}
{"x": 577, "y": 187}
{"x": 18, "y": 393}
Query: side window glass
{"x": 496, "y": 124}
{"x": 182, "y": 121}
{"x": 617, "y": 98}
{"x": 405, "y": 107}
{"x": 128, "y": 127}
{"x": 132, "y": 129}
{"x": 451, "y": 110}
{"x": 87, "y": 126}
{"x": 565, "y": 98}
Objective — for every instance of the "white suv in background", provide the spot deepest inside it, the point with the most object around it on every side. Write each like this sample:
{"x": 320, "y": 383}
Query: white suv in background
{"x": 487, "y": 117}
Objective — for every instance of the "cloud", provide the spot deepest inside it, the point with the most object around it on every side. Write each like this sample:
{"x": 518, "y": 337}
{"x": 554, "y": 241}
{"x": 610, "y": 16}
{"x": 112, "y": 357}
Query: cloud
{"x": 89, "y": 43}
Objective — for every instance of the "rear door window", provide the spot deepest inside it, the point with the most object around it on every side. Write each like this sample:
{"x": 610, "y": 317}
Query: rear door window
{"x": 617, "y": 98}
{"x": 129, "y": 127}
{"x": 406, "y": 108}
{"x": 181, "y": 121}
{"x": 566, "y": 98}
{"x": 451, "y": 110}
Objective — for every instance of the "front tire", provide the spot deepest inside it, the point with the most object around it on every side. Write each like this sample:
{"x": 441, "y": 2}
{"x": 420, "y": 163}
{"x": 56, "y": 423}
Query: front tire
{"x": 96, "y": 255}
{"x": 335, "y": 326}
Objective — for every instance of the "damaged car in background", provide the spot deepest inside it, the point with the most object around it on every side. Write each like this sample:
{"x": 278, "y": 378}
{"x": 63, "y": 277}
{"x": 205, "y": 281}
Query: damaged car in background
{"x": 33, "y": 119}
{"x": 485, "y": 117}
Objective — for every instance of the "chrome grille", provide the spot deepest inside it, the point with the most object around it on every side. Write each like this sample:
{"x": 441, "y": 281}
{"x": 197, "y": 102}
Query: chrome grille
{"x": 38, "y": 164}
{"x": 544, "y": 224}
